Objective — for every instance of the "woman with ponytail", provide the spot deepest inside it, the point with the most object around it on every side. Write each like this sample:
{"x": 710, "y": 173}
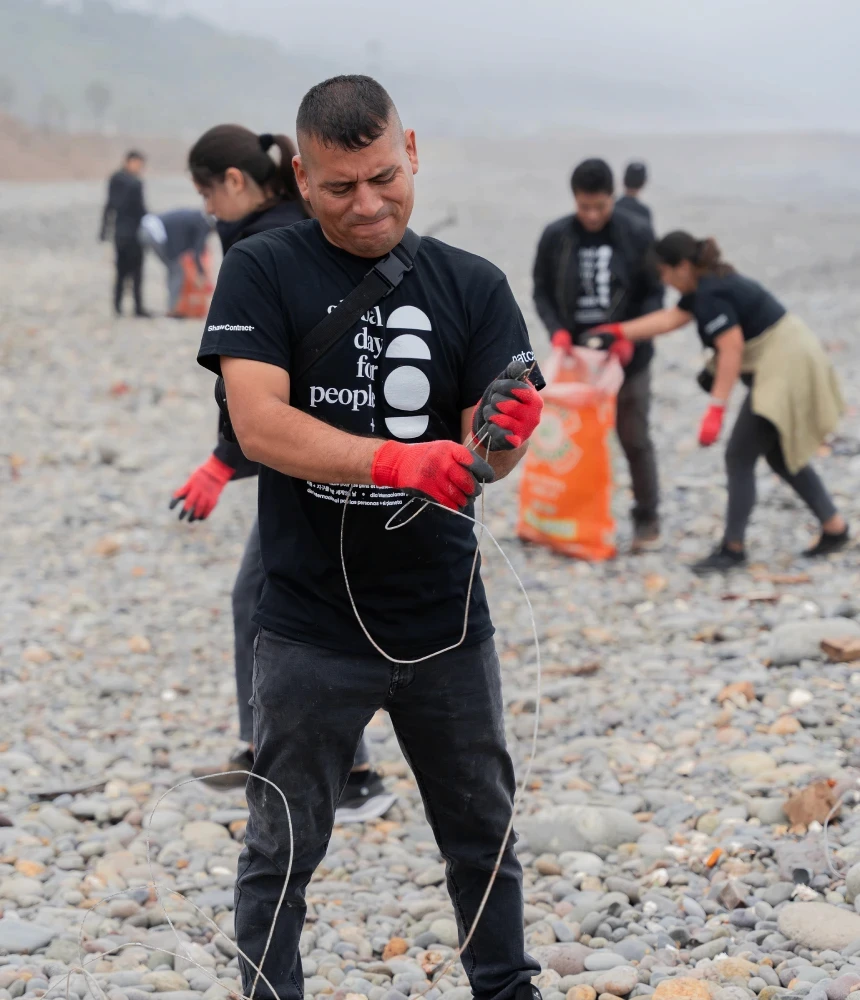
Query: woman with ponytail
{"x": 794, "y": 401}
{"x": 248, "y": 185}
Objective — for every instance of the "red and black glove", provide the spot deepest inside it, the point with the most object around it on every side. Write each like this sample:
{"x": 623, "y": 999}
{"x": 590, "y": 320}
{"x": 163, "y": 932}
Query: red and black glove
{"x": 202, "y": 490}
{"x": 443, "y": 471}
{"x": 562, "y": 340}
{"x": 610, "y": 337}
{"x": 508, "y": 412}
{"x": 712, "y": 424}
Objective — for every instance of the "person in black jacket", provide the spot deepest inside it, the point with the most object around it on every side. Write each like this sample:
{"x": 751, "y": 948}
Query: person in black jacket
{"x": 123, "y": 213}
{"x": 635, "y": 178}
{"x": 593, "y": 268}
{"x": 247, "y": 183}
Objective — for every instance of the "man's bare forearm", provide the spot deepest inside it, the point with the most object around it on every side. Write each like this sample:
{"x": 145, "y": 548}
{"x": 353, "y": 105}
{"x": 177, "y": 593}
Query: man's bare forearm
{"x": 293, "y": 442}
{"x": 504, "y": 462}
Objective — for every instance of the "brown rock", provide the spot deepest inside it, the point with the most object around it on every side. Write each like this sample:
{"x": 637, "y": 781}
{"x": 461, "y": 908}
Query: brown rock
{"x": 107, "y": 546}
{"x": 37, "y": 654}
{"x": 736, "y": 691}
{"x": 785, "y": 725}
{"x": 733, "y": 894}
{"x": 546, "y": 864}
{"x": 139, "y": 644}
{"x": 682, "y": 989}
{"x": 813, "y": 803}
{"x": 396, "y": 946}
{"x": 581, "y": 993}
{"x": 735, "y": 968}
{"x": 842, "y": 650}
{"x": 32, "y": 869}
{"x": 566, "y": 959}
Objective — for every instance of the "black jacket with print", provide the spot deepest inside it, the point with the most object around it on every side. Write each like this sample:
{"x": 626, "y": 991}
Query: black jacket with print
{"x": 556, "y": 277}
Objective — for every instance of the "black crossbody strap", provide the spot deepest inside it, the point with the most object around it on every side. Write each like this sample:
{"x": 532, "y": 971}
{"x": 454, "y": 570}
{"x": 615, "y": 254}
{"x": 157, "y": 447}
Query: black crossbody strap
{"x": 380, "y": 280}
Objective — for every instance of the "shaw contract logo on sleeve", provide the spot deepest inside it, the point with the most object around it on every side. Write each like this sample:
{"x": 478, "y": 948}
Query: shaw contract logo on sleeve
{"x": 230, "y": 328}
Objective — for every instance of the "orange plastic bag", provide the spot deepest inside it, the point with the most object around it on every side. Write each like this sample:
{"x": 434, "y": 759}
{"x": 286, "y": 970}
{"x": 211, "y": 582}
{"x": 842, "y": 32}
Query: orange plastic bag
{"x": 566, "y": 488}
{"x": 194, "y": 298}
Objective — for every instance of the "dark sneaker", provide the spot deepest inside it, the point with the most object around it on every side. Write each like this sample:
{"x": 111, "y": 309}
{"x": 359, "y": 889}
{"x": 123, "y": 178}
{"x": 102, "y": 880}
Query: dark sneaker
{"x": 646, "y": 537}
{"x": 721, "y": 560}
{"x": 143, "y": 314}
{"x": 363, "y": 799}
{"x": 829, "y": 542}
{"x": 229, "y": 775}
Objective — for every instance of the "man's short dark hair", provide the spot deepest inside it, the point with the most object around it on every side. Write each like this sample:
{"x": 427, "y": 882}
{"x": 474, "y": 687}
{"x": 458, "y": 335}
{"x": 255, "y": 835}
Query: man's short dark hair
{"x": 593, "y": 176}
{"x": 635, "y": 176}
{"x": 350, "y": 112}
{"x": 135, "y": 154}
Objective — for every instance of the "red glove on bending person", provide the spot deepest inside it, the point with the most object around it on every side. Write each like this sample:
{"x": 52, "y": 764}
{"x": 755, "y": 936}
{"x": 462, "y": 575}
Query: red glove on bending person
{"x": 508, "y": 412}
{"x": 202, "y": 490}
{"x": 619, "y": 346}
{"x": 562, "y": 339}
{"x": 712, "y": 424}
{"x": 443, "y": 471}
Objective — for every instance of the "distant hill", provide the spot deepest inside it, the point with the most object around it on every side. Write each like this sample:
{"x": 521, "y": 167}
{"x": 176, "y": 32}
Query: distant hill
{"x": 96, "y": 67}
{"x": 30, "y": 154}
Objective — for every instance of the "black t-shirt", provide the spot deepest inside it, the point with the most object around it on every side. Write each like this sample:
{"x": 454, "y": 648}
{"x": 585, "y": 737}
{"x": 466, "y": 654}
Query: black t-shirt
{"x": 406, "y": 371}
{"x": 598, "y": 285}
{"x": 719, "y": 303}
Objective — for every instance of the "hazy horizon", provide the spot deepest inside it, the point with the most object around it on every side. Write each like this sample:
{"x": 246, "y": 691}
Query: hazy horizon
{"x": 790, "y": 67}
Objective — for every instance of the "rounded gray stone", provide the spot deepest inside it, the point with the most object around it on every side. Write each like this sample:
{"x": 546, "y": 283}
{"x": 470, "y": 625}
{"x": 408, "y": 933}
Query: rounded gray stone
{"x": 819, "y": 925}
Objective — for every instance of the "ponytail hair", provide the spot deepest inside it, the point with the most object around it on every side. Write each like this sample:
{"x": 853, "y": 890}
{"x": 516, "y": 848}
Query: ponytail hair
{"x": 704, "y": 255}
{"x": 267, "y": 159}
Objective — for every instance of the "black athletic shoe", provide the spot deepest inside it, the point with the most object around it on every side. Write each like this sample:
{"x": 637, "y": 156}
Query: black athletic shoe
{"x": 721, "y": 560}
{"x": 228, "y": 775}
{"x": 363, "y": 799}
{"x": 142, "y": 314}
{"x": 829, "y": 542}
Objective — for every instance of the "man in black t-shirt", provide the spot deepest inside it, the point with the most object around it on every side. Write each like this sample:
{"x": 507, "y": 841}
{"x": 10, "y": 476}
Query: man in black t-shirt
{"x": 591, "y": 269}
{"x": 355, "y": 617}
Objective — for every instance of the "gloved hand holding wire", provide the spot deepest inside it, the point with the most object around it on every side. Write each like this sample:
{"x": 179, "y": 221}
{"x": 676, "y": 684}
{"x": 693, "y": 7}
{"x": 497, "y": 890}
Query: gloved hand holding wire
{"x": 203, "y": 489}
{"x": 444, "y": 471}
{"x": 508, "y": 412}
{"x": 610, "y": 337}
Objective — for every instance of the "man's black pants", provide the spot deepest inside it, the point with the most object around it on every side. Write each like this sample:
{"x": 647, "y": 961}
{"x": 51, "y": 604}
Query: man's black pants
{"x": 129, "y": 266}
{"x": 634, "y": 435}
{"x": 311, "y": 706}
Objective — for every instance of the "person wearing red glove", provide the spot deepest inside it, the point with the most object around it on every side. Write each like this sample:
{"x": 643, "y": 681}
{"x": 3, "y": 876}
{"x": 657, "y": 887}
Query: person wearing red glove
{"x": 794, "y": 403}
{"x": 592, "y": 269}
{"x": 712, "y": 423}
{"x": 200, "y": 494}
{"x": 373, "y": 598}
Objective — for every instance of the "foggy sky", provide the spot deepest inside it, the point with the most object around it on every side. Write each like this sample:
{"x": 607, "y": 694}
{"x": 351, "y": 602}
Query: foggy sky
{"x": 789, "y": 61}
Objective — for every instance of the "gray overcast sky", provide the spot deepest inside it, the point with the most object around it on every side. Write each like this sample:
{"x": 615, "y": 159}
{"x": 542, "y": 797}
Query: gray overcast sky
{"x": 790, "y": 61}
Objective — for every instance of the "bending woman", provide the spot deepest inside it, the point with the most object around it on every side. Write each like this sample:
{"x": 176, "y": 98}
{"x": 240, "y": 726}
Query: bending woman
{"x": 794, "y": 402}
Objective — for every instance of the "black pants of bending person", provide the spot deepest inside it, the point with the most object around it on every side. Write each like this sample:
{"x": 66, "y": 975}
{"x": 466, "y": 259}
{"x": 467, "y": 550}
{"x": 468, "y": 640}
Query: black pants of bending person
{"x": 634, "y": 436}
{"x": 247, "y": 591}
{"x": 753, "y": 437}
{"x": 129, "y": 267}
{"x": 311, "y": 707}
